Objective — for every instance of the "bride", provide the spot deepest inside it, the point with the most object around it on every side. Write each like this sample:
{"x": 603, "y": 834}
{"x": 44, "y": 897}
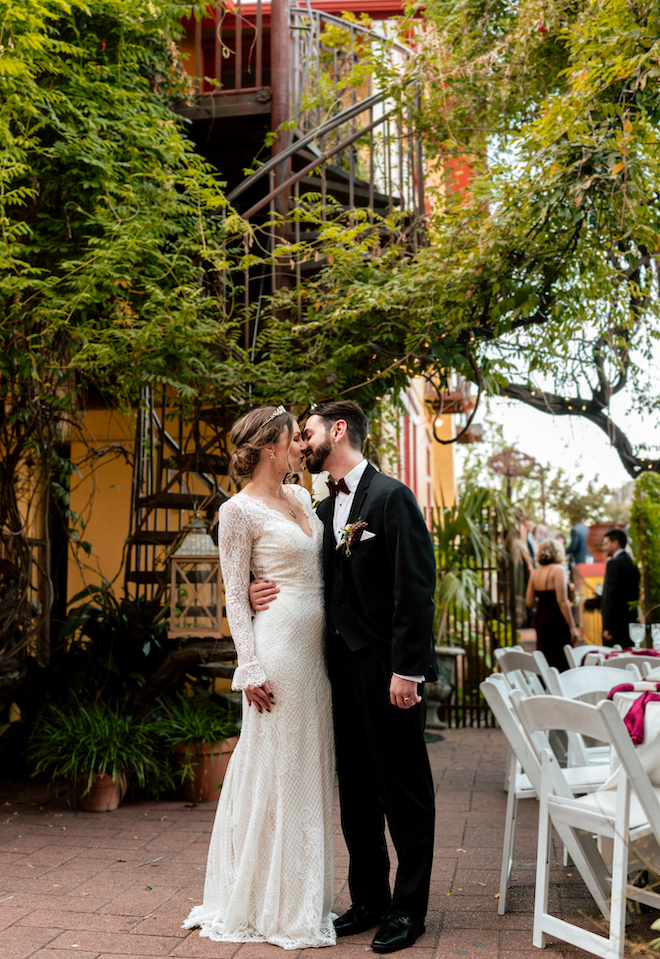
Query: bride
{"x": 269, "y": 876}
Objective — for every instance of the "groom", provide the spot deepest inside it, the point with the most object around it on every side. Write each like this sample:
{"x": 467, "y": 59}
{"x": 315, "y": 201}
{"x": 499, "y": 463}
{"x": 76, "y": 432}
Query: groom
{"x": 379, "y": 587}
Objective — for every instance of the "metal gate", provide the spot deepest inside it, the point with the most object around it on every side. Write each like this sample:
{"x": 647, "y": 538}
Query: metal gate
{"x": 483, "y": 617}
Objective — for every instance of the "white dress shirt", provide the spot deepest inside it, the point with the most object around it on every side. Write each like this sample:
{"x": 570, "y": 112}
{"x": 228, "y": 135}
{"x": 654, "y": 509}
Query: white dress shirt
{"x": 342, "y": 510}
{"x": 344, "y": 501}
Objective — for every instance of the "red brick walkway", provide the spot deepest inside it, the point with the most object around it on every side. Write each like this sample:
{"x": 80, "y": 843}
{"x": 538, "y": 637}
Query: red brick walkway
{"x": 86, "y": 886}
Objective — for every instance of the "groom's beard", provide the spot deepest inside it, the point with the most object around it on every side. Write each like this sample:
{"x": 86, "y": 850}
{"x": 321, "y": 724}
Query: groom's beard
{"x": 315, "y": 459}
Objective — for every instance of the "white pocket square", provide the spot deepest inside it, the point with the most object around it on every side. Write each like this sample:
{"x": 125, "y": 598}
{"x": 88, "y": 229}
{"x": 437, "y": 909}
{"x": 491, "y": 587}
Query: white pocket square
{"x": 367, "y": 535}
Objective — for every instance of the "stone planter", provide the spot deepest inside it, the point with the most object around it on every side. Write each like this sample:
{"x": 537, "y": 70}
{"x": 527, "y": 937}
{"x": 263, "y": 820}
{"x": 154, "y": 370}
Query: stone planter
{"x": 438, "y": 694}
{"x": 209, "y": 765}
{"x": 104, "y": 795}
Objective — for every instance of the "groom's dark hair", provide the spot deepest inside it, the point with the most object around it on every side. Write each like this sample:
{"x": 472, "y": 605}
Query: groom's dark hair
{"x": 357, "y": 425}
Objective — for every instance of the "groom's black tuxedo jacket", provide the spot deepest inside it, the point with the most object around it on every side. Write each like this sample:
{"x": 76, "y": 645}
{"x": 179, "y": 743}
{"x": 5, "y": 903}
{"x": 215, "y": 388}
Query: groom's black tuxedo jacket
{"x": 383, "y": 592}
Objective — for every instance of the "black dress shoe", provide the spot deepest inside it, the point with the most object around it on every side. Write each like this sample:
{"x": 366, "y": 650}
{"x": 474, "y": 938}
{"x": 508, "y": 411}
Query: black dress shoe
{"x": 398, "y": 932}
{"x": 358, "y": 919}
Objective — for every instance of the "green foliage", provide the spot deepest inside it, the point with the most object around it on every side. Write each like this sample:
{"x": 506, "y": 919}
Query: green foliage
{"x": 465, "y": 536}
{"x": 197, "y": 719}
{"x": 540, "y": 122}
{"x": 108, "y": 647}
{"x": 107, "y": 210}
{"x": 107, "y": 216}
{"x": 194, "y": 720}
{"x": 645, "y": 532}
{"x": 84, "y": 739}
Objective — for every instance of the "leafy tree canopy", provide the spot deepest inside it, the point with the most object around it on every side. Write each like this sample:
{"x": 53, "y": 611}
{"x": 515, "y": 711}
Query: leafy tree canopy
{"x": 543, "y": 273}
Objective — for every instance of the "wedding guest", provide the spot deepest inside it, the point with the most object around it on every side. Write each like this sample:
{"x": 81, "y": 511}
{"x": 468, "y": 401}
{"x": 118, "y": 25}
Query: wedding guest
{"x": 577, "y": 551}
{"x": 529, "y": 537}
{"x": 547, "y": 590}
{"x": 620, "y": 590}
{"x": 516, "y": 545}
{"x": 540, "y": 533}
{"x": 529, "y": 554}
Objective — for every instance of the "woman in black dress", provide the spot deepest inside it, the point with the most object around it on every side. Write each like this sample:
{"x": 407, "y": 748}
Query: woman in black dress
{"x": 547, "y": 590}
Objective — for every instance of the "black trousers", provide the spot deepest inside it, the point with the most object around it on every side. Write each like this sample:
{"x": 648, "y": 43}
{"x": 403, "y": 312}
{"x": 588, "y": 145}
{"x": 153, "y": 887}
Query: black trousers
{"x": 383, "y": 771}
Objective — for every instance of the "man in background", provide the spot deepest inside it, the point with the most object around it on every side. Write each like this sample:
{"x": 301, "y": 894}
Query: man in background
{"x": 577, "y": 551}
{"x": 620, "y": 590}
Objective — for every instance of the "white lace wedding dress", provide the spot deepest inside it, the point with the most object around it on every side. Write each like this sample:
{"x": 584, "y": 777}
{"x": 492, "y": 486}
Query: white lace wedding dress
{"x": 269, "y": 876}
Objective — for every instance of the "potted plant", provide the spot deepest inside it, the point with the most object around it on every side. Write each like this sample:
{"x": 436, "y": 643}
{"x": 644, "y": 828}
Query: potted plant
{"x": 203, "y": 735}
{"x": 96, "y": 746}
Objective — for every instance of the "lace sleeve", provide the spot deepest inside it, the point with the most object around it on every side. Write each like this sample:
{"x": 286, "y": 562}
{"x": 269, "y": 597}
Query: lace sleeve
{"x": 235, "y": 544}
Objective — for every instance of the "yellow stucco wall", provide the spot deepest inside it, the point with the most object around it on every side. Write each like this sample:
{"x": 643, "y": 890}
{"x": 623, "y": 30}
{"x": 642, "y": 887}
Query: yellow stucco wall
{"x": 101, "y": 494}
{"x": 442, "y": 463}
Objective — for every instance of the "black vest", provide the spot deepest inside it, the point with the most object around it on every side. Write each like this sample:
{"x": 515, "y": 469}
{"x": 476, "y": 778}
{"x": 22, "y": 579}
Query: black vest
{"x": 335, "y": 592}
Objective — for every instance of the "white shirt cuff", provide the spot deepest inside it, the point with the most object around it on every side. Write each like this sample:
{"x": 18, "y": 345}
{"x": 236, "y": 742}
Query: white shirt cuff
{"x": 413, "y": 679}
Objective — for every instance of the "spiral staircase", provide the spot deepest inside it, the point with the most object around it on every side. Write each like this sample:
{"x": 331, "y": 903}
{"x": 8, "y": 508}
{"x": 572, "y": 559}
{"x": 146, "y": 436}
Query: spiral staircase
{"x": 254, "y": 67}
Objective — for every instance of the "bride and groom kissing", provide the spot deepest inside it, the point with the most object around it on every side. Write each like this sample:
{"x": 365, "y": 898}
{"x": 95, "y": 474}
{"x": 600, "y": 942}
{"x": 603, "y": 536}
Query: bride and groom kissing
{"x": 331, "y": 613}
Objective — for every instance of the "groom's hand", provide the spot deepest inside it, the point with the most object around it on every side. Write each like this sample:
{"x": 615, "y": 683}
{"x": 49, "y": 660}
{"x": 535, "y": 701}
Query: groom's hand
{"x": 262, "y": 592}
{"x": 403, "y": 693}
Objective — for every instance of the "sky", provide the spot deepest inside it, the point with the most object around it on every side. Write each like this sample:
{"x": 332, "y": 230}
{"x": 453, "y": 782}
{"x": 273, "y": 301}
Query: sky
{"x": 569, "y": 441}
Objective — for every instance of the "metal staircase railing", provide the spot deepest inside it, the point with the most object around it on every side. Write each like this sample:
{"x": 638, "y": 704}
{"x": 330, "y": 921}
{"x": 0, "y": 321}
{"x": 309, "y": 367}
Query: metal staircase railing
{"x": 166, "y": 489}
{"x": 360, "y": 149}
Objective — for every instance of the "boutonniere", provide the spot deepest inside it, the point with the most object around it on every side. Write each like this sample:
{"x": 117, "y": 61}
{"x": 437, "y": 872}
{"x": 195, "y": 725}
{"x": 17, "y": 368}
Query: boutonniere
{"x": 350, "y": 535}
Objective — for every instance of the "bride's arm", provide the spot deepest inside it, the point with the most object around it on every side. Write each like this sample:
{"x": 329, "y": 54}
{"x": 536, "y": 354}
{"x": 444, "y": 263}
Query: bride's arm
{"x": 235, "y": 544}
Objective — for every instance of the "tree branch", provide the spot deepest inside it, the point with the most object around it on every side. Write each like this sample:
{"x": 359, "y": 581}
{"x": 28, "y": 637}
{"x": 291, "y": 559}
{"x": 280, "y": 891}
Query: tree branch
{"x": 590, "y": 410}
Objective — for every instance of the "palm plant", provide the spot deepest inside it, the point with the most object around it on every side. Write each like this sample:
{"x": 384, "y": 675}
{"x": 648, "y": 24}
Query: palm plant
{"x": 465, "y": 536}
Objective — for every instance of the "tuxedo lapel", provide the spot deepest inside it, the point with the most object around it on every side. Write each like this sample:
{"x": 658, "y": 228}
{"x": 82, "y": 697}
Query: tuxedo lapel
{"x": 328, "y": 531}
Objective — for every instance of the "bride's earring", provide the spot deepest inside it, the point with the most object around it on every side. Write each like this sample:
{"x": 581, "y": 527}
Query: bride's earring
{"x": 272, "y": 455}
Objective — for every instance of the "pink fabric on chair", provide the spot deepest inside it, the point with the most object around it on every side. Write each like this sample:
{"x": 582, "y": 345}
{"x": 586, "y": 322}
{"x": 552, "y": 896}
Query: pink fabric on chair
{"x": 634, "y": 718}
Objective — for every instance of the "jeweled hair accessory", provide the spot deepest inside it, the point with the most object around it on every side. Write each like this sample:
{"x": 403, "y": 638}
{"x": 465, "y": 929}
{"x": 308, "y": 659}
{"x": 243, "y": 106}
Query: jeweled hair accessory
{"x": 277, "y": 412}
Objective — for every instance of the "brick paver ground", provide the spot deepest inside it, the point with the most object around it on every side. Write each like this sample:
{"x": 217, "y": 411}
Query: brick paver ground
{"x": 118, "y": 885}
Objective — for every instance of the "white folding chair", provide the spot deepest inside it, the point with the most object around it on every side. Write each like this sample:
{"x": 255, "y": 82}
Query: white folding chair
{"x": 644, "y": 663}
{"x": 623, "y": 815}
{"x": 543, "y": 666}
{"x": 523, "y": 672}
{"x": 524, "y": 772}
{"x": 589, "y": 680}
{"x": 576, "y": 654}
{"x": 521, "y": 669}
{"x": 594, "y": 683}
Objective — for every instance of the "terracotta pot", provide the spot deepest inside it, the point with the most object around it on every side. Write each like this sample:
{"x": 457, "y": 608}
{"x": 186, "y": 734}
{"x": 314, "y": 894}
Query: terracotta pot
{"x": 209, "y": 765}
{"x": 104, "y": 795}
{"x": 595, "y": 539}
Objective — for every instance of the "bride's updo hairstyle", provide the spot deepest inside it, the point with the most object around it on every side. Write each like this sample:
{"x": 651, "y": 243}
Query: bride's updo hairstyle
{"x": 249, "y": 435}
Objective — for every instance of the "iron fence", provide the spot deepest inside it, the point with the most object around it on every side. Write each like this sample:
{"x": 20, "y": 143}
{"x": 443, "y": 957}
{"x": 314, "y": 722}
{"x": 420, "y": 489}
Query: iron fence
{"x": 480, "y": 622}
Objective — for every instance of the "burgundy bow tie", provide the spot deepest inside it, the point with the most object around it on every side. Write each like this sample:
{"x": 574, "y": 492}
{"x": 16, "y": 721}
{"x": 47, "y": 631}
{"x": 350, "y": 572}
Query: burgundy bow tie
{"x": 339, "y": 487}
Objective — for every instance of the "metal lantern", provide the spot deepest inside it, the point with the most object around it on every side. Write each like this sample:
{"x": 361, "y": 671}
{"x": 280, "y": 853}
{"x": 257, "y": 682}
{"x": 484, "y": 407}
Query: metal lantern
{"x": 196, "y": 593}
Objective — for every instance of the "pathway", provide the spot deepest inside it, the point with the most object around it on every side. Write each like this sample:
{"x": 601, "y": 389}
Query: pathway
{"x": 117, "y": 885}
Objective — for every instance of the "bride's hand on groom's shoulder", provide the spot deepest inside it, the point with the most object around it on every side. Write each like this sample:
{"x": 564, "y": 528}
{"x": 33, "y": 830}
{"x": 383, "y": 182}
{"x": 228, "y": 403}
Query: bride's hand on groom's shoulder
{"x": 262, "y": 592}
